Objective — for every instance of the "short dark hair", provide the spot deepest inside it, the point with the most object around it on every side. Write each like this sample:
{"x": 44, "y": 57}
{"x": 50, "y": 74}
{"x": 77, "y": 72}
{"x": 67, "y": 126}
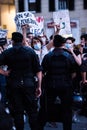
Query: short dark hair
{"x": 17, "y": 37}
{"x": 36, "y": 38}
{"x": 29, "y": 33}
{"x": 84, "y": 36}
{"x": 71, "y": 38}
{"x": 58, "y": 40}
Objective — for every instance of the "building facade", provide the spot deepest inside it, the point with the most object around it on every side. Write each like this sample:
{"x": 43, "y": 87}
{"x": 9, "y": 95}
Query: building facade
{"x": 7, "y": 13}
{"x": 77, "y": 12}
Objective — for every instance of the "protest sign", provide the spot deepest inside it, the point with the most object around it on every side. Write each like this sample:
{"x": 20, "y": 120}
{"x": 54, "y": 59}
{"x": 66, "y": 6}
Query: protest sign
{"x": 3, "y": 33}
{"x": 25, "y": 18}
{"x": 40, "y": 29}
{"x": 62, "y": 18}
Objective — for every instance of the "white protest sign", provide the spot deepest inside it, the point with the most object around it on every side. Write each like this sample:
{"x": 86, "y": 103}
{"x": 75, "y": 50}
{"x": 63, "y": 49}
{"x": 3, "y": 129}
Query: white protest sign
{"x": 62, "y": 17}
{"x": 24, "y": 18}
{"x": 3, "y": 33}
{"x": 40, "y": 29}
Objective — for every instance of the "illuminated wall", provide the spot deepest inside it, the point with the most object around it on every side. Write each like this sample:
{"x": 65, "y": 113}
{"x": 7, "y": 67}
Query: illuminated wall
{"x": 7, "y": 14}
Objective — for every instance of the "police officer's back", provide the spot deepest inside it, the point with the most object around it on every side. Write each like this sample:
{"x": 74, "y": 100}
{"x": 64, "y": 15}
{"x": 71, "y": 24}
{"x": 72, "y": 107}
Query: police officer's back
{"x": 23, "y": 66}
{"x": 58, "y": 67}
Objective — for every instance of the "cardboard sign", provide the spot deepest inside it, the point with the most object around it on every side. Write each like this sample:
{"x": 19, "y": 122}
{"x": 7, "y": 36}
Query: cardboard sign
{"x": 24, "y": 18}
{"x": 3, "y": 33}
{"x": 40, "y": 29}
{"x": 62, "y": 17}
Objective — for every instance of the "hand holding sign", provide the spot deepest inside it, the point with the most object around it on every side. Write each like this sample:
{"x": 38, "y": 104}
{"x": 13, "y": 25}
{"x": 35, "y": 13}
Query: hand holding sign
{"x": 62, "y": 17}
{"x": 25, "y": 27}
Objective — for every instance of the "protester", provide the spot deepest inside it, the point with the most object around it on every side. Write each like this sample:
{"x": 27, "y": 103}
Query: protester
{"x": 23, "y": 92}
{"x": 74, "y": 50}
{"x": 27, "y": 37}
{"x": 83, "y": 83}
{"x": 38, "y": 47}
{"x": 83, "y": 49}
{"x": 84, "y": 68}
{"x": 58, "y": 67}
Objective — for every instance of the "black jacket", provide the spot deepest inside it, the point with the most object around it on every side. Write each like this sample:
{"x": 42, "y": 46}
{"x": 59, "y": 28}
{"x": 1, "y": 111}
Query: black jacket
{"x": 22, "y": 62}
{"x": 58, "y": 66}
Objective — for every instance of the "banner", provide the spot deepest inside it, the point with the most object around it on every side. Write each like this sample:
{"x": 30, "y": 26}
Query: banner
{"x": 62, "y": 18}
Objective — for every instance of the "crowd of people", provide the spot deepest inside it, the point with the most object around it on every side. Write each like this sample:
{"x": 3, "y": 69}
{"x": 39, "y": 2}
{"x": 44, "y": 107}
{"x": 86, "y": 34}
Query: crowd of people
{"x": 36, "y": 71}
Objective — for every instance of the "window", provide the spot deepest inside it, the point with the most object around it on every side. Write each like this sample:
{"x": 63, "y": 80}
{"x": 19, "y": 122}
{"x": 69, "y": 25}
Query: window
{"x": 21, "y": 5}
{"x": 51, "y": 5}
{"x": 34, "y": 5}
{"x": 62, "y": 4}
{"x": 70, "y": 4}
{"x": 85, "y": 4}
{"x": 55, "y": 5}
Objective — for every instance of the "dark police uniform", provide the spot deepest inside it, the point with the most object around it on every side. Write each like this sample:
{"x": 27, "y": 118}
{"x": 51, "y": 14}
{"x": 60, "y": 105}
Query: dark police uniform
{"x": 23, "y": 65}
{"x": 6, "y": 121}
{"x": 84, "y": 85}
{"x": 58, "y": 66}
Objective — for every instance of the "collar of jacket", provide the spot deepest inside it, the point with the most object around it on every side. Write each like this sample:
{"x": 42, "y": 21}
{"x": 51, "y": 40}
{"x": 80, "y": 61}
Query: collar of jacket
{"x": 18, "y": 44}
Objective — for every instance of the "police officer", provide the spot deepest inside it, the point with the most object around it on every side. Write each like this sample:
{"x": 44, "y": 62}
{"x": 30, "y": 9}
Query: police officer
{"x": 23, "y": 92}
{"x": 58, "y": 67}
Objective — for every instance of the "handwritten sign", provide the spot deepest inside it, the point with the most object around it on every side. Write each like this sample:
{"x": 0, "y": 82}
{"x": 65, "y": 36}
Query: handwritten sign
{"x": 3, "y": 33}
{"x": 40, "y": 29}
{"x": 62, "y": 17}
{"x": 24, "y": 18}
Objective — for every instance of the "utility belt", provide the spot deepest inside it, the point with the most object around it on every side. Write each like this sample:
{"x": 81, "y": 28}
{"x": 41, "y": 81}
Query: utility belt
{"x": 57, "y": 82}
{"x": 58, "y": 77}
{"x": 19, "y": 81}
